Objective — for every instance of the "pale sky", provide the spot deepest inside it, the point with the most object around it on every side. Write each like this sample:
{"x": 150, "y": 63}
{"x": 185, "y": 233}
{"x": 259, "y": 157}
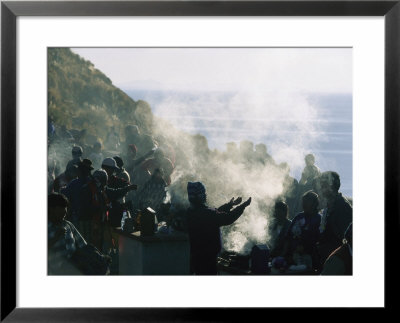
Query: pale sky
{"x": 326, "y": 70}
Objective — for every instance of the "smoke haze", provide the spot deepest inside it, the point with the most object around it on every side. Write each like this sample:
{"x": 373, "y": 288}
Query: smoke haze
{"x": 232, "y": 95}
{"x": 287, "y": 120}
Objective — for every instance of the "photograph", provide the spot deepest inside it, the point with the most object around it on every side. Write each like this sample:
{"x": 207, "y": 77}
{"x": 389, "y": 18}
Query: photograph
{"x": 190, "y": 160}
{"x": 200, "y": 161}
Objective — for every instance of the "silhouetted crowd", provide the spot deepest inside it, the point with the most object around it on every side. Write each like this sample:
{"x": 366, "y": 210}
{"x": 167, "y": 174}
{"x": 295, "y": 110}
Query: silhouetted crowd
{"x": 314, "y": 241}
{"x": 95, "y": 188}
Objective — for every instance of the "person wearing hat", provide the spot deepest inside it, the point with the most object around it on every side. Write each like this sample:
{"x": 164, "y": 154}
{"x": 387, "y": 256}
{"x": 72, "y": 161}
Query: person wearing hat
{"x": 114, "y": 181}
{"x": 121, "y": 171}
{"x": 340, "y": 262}
{"x": 95, "y": 200}
{"x": 77, "y": 153}
{"x": 310, "y": 172}
{"x": 204, "y": 224}
{"x": 109, "y": 165}
{"x": 117, "y": 206}
{"x": 303, "y": 233}
{"x": 73, "y": 189}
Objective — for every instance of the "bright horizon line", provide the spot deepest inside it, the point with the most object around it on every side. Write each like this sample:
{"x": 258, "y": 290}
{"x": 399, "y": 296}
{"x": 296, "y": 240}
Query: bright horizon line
{"x": 178, "y": 90}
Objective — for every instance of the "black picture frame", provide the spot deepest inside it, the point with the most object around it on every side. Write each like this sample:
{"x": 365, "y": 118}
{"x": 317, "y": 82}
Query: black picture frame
{"x": 10, "y": 10}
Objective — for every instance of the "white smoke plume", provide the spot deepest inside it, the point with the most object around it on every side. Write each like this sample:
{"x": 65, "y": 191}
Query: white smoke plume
{"x": 285, "y": 122}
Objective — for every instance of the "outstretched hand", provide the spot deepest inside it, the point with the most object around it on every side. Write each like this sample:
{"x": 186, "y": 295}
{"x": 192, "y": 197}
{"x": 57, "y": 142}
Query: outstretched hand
{"x": 234, "y": 201}
{"x": 247, "y": 203}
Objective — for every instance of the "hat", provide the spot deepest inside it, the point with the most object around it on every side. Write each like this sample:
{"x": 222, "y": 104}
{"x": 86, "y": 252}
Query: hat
{"x": 77, "y": 150}
{"x": 119, "y": 161}
{"x": 109, "y": 162}
{"x": 86, "y": 163}
{"x": 196, "y": 192}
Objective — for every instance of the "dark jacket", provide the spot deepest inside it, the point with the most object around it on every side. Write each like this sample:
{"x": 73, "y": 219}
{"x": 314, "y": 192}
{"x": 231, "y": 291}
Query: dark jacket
{"x": 204, "y": 227}
{"x": 205, "y": 236}
{"x": 94, "y": 205}
{"x": 304, "y": 230}
{"x": 278, "y": 233}
{"x": 94, "y": 202}
{"x": 337, "y": 217}
{"x": 73, "y": 193}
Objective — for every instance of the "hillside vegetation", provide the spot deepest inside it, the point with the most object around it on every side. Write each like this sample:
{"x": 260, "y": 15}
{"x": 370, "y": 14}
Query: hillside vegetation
{"x": 82, "y": 97}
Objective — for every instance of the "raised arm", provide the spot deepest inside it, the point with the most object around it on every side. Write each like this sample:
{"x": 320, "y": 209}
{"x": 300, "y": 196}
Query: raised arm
{"x": 227, "y": 218}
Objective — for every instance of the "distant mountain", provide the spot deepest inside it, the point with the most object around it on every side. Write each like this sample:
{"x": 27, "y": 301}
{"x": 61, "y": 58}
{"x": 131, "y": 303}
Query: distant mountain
{"x": 82, "y": 97}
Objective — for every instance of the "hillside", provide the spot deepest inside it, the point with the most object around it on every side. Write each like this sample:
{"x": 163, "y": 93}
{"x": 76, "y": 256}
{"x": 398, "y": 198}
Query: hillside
{"x": 82, "y": 97}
